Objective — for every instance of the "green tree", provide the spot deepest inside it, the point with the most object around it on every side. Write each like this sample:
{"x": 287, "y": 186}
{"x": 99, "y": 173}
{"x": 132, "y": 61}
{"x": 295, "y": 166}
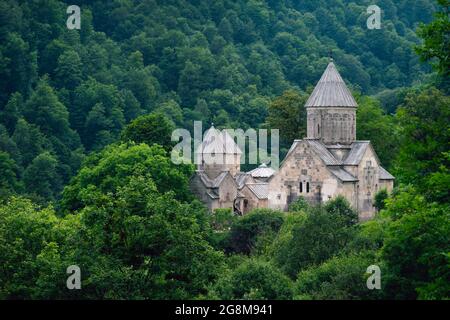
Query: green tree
{"x": 115, "y": 165}
{"x": 246, "y": 230}
{"x": 339, "y": 278}
{"x": 424, "y": 120}
{"x": 340, "y": 208}
{"x": 436, "y": 44}
{"x": 9, "y": 182}
{"x": 41, "y": 178}
{"x": 68, "y": 72}
{"x": 299, "y": 205}
{"x": 312, "y": 239}
{"x": 30, "y": 248}
{"x": 150, "y": 129}
{"x": 11, "y": 113}
{"x": 416, "y": 249}
{"x": 253, "y": 280}
{"x": 372, "y": 124}
{"x": 380, "y": 198}
{"x": 138, "y": 244}
{"x": 46, "y": 111}
{"x": 288, "y": 114}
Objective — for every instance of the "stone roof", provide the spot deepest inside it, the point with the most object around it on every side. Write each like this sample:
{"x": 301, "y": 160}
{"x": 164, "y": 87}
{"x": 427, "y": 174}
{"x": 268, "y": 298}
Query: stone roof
{"x": 322, "y": 151}
{"x": 212, "y": 183}
{"x": 212, "y": 194}
{"x": 356, "y": 153}
{"x": 342, "y": 174}
{"x": 385, "y": 175}
{"x": 263, "y": 171}
{"x": 218, "y": 142}
{"x": 331, "y": 91}
{"x": 241, "y": 178}
{"x": 336, "y": 166}
{"x": 261, "y": 190}
{"x": 353, "y": 158}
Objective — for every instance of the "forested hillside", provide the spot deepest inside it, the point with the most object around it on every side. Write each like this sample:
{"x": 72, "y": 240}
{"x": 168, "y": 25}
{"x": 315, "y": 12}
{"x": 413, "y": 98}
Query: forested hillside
{"x": 64, "y": 93}
{"x": 85, "y": 123}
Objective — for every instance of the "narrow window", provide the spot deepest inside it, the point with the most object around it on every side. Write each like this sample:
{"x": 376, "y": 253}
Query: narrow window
{"x": 301, "y": 187}
{"x": 318, "y": 129}
{"x": 307, "y": 187}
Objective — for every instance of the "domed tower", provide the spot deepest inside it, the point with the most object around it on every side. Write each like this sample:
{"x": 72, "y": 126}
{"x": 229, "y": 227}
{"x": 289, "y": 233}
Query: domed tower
{"x": 331, "y": 110}
{"x": 217, "y": 153}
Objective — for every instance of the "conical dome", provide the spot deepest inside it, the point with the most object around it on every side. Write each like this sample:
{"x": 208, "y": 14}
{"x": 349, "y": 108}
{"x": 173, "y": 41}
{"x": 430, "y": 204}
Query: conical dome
{"x": 331, "y": 91}
{"x": 218, "y": 142}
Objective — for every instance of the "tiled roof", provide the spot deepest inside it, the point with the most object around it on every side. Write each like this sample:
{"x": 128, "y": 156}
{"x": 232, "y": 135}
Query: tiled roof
{"x": 331, "y": 91}
{"x": 385, "y": 175}
{"x": 218, "y": 142}
{"x": 261, "y": 190}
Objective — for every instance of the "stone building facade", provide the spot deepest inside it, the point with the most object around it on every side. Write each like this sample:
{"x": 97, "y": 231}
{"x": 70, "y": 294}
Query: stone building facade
{"x": 328, "y": 162}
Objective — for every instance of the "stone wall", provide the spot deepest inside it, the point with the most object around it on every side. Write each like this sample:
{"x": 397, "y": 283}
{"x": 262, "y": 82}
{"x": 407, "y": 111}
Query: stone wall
{"x": 332, "y": 125}
{"x": 302, "y": 173}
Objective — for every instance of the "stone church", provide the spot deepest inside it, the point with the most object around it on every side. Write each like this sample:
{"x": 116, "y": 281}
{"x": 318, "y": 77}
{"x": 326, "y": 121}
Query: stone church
{"x": 328, "y": 162}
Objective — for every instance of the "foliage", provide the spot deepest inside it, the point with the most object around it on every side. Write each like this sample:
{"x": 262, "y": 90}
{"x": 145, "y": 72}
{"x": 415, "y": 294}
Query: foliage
{"x": 127, "y": 217}
{"x": 288, "y": 114}
{"x": 149, "y": 245}
{"x": 115, "y": 166}
{"x": 339, "y": 278}
{"x": 246, "y": 230}
{"x": 380, "y": 198}
{"x": 424, "y": 119}
{"x": 222, "y": 62}
{"x": 299, "y": 205}
{"x": 436, "y": 44}
{"x": 31, "y": 241}
{"x": 253, "y": 280}
{"x": 374, "y": 125}
{"x": 312, "y": 240}
{"x": 340, "y": 209}
{"x": 150, "y": 129}
{"x": 416, "y": 249}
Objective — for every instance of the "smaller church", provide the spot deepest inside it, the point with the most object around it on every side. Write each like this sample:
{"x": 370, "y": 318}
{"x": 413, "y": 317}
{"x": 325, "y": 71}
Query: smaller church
{"x": 327, "y": 163}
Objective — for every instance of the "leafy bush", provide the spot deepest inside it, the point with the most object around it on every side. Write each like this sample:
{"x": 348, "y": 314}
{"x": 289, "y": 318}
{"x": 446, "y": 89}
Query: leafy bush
{"x": 342, "y": 277}
{"x": 380, "y": 198}
{"x": 312, "y": 240}
{"x": 253, "y": 279}
{"x": 340, "y": 208}
{"x": 246, "y": 230}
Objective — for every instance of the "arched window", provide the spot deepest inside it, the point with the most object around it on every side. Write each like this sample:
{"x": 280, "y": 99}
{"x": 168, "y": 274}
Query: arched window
{"x": 307, "y": 187}
{"x": 318, "y": 129}
{"x": 301, "y": 187}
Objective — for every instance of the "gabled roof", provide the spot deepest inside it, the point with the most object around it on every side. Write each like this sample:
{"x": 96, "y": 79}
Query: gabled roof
{"x": 342, "y": 174}
{"x": 218, "y": 142}
{"x": 212, "y": 194}
{"x": 212, "y": 183}
{"x": 356, "y": 153}
{"x": 260, "y": 190}
{"x": 331, "y": 91}
{"x": 322, "y": 151}
{"x": 241, "y": 178}
{"x": 354, "y": 157}
{"x": 385, "y": 175}
{"x": 263, "y": 171}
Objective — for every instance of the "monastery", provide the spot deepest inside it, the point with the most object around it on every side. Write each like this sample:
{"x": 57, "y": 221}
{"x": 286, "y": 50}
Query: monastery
{"x": 327, "y": 163}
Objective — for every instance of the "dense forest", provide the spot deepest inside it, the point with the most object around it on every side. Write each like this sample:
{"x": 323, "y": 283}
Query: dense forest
{"x": 85, "y": 172}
